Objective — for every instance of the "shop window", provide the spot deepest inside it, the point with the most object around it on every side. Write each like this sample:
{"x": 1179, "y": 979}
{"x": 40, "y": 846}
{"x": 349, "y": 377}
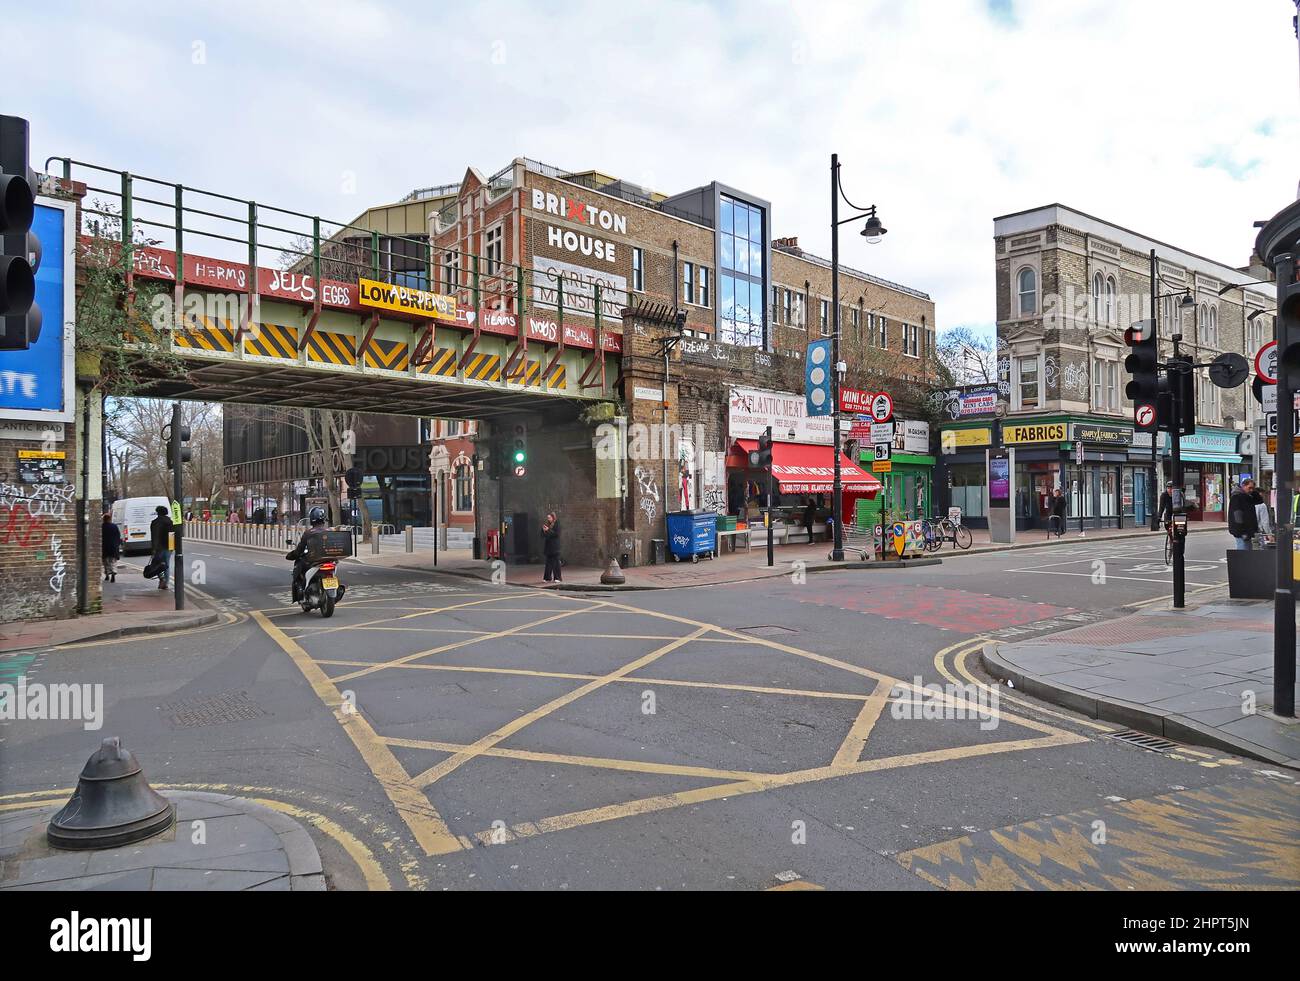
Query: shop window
{"x": 968, "y": 489}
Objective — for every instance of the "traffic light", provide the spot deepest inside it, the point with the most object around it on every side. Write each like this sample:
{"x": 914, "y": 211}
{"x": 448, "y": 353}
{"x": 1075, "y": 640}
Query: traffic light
{"x": 353, "y": 477}
{"x": 519, "y": 449}
{"x": 761, "y": 458}
{"x": 1288, "y": 331}
{"x": 1142, "y": 364}
{"x": 20, "y": 317}
{"x": 1180, "y": 379}
{"x": 176, "y": 438}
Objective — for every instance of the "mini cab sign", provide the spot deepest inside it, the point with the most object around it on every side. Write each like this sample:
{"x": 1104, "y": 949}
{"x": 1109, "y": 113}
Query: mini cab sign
{"x": 404, "y": 299}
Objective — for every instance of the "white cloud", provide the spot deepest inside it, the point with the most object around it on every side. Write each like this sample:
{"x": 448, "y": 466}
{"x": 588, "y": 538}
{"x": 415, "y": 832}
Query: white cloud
{"x": 1178, "y": 118}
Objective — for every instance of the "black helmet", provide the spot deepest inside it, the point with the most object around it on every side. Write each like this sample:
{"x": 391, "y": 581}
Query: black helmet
{"x": 316, "y": 516}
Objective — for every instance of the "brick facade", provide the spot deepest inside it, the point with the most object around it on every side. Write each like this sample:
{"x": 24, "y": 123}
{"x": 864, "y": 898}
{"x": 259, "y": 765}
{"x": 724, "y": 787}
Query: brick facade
{"x": 39, "y": 552}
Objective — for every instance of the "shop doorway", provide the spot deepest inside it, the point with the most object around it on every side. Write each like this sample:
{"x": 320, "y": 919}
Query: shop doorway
{"x": 1139, "y": 482}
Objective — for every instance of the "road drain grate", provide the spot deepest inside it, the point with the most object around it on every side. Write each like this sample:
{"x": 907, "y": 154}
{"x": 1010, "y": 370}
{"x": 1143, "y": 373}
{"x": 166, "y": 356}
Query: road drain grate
{"x": 767, "y": 630}
{"x": 1143, "y": 741}
{"x": 212, "y": 710}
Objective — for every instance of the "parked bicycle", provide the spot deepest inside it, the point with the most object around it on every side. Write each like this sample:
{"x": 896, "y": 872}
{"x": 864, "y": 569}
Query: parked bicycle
{"x": 935, "y": 531}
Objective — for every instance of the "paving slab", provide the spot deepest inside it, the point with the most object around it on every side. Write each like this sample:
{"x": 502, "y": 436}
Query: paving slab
{"x": 245, "y": 846}
{"x": 1185, "y": 685}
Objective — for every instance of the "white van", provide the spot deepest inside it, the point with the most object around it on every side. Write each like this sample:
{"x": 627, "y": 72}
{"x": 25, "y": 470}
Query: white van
{"x": 134, "y": 515}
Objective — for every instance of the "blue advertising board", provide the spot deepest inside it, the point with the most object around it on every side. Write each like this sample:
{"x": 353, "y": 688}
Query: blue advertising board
{"x": 37, "y": 383}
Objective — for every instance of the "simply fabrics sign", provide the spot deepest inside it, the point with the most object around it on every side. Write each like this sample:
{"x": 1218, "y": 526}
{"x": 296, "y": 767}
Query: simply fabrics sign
{"x": 751, "y": 410}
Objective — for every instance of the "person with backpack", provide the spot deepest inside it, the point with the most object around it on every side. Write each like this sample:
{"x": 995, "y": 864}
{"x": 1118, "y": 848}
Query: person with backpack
{"x": 160, "y": 537}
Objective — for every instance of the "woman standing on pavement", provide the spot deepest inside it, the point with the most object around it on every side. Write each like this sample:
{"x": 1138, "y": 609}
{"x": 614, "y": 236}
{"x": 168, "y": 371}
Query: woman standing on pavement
{"x": 551, "y": 547}
{"x": 111, "y": 546}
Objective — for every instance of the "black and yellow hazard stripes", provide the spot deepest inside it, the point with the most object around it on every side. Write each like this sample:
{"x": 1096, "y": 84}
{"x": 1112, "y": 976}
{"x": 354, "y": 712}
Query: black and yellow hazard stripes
{"x": 207, "y": 334}
{"x": 484, "y": 367}
{"x": 272, "y": 341}
{"x": 441, "y": 361}
{"x": 327, "y": 347}
{"x": 557, "y": 381}
{"x": 393, "y": 355}
{"x": 529, "y": 374}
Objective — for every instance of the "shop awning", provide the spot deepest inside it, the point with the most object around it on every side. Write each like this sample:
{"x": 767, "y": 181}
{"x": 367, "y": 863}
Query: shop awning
{"x": 804, "y": 468}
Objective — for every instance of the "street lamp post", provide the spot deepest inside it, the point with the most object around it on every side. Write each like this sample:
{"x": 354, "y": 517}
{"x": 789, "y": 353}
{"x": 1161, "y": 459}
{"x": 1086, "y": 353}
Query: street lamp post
{"x": 873, "y": 231}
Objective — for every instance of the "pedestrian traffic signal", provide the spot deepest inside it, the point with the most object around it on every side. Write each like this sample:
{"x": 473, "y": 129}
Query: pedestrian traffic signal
{"x": 1143, "y": 365}
{"x": 519, "y": 448}
{"x": 20, "y": 317}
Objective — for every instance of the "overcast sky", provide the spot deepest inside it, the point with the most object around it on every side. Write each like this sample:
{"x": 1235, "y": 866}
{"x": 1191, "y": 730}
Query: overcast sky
{"x": 1176, "y": 118}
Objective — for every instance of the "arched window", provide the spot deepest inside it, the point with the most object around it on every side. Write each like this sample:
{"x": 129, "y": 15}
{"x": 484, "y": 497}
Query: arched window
{"x": 1027, "y": 292}
{"x": 464, "y": 488}
{"x": 1203, "y": 331}
{"x": 1098, "y": 284}
{"x": 1110, "y": 299}
{"x": 1214, "y": 327}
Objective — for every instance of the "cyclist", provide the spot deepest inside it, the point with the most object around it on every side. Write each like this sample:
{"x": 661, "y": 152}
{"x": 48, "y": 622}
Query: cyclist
{"x": 1165, "y": 513}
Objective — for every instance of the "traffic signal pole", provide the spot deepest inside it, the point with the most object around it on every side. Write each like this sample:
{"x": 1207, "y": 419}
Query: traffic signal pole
{"x": 178, "y": 472}
{"x": 1284, "y": 632}
{"x": 1176, "y": 458}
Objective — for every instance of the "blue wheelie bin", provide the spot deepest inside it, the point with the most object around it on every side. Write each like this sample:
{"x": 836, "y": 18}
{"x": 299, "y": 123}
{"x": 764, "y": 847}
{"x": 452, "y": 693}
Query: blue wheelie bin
{"x": 692, "y": 534}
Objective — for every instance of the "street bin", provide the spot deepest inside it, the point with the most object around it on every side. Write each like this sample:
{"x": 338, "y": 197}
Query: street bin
{"x": 1252, "y": 574}
{"x": 657, "y": 551}
{"x": 692, "y": 534}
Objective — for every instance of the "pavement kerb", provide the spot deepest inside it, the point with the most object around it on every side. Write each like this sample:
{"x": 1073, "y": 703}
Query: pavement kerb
{"x": 190, "y": 621}
{"x": 1157, "y": 722}
{"x": 1054, "y": 542}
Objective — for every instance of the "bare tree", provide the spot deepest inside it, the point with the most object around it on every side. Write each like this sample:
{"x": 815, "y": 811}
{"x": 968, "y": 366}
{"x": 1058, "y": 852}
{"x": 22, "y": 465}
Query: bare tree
{"x": 967, "y": 357}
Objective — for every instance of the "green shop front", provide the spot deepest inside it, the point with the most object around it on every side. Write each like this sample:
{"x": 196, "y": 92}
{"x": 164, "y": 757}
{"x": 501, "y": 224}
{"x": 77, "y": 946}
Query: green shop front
{"x": 909, "y": 483}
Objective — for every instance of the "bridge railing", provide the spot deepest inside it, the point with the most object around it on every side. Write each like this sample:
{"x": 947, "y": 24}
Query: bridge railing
{"x": 135, "y": 213}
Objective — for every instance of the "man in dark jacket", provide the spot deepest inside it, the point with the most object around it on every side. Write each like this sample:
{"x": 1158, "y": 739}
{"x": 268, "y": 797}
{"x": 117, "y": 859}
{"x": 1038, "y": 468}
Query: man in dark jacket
{"x": 1243, "y": 525}
{"x": 160, "y": 536}
{"x": 551, "y": 548}
{"x": 1059, "y": 506}
{"x": 111, "y": 547}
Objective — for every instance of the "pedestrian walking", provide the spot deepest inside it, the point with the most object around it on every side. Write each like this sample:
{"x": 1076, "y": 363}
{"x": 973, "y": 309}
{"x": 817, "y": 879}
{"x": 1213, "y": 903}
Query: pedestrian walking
{"x": 1059, "y": 507}
{"x": 1243, "y": 524}
{"x": 160, "y": 534}
{"x": 809, "y": 517}
{"x": 551, "y": 548}
{"x": 110, "y": 546}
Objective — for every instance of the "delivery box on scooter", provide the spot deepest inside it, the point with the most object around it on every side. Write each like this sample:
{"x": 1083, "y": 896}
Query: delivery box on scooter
{"x": 329, "y": 545}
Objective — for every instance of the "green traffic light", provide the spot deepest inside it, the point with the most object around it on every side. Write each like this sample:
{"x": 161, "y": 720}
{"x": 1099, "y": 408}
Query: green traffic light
{"x": 519, "y": 456}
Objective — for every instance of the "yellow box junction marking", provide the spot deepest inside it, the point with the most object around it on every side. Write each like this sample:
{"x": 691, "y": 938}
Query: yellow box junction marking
{"x": 434, "y": 836}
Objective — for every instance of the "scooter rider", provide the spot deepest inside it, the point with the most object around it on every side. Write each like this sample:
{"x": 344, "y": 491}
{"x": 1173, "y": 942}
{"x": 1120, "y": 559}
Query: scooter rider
{"x": 299, "y": 555}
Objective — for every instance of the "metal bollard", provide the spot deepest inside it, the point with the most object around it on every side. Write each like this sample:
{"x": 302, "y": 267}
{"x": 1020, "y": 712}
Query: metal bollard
{"x": 374, "y": 541}
{"x": 410, "y": 538}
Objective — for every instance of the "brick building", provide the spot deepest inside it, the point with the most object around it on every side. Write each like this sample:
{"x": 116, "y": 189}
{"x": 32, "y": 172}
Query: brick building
{"x": 751, "y": 303}
{"x": 582, "y": 259}
{"x": 1067, "y": 285}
